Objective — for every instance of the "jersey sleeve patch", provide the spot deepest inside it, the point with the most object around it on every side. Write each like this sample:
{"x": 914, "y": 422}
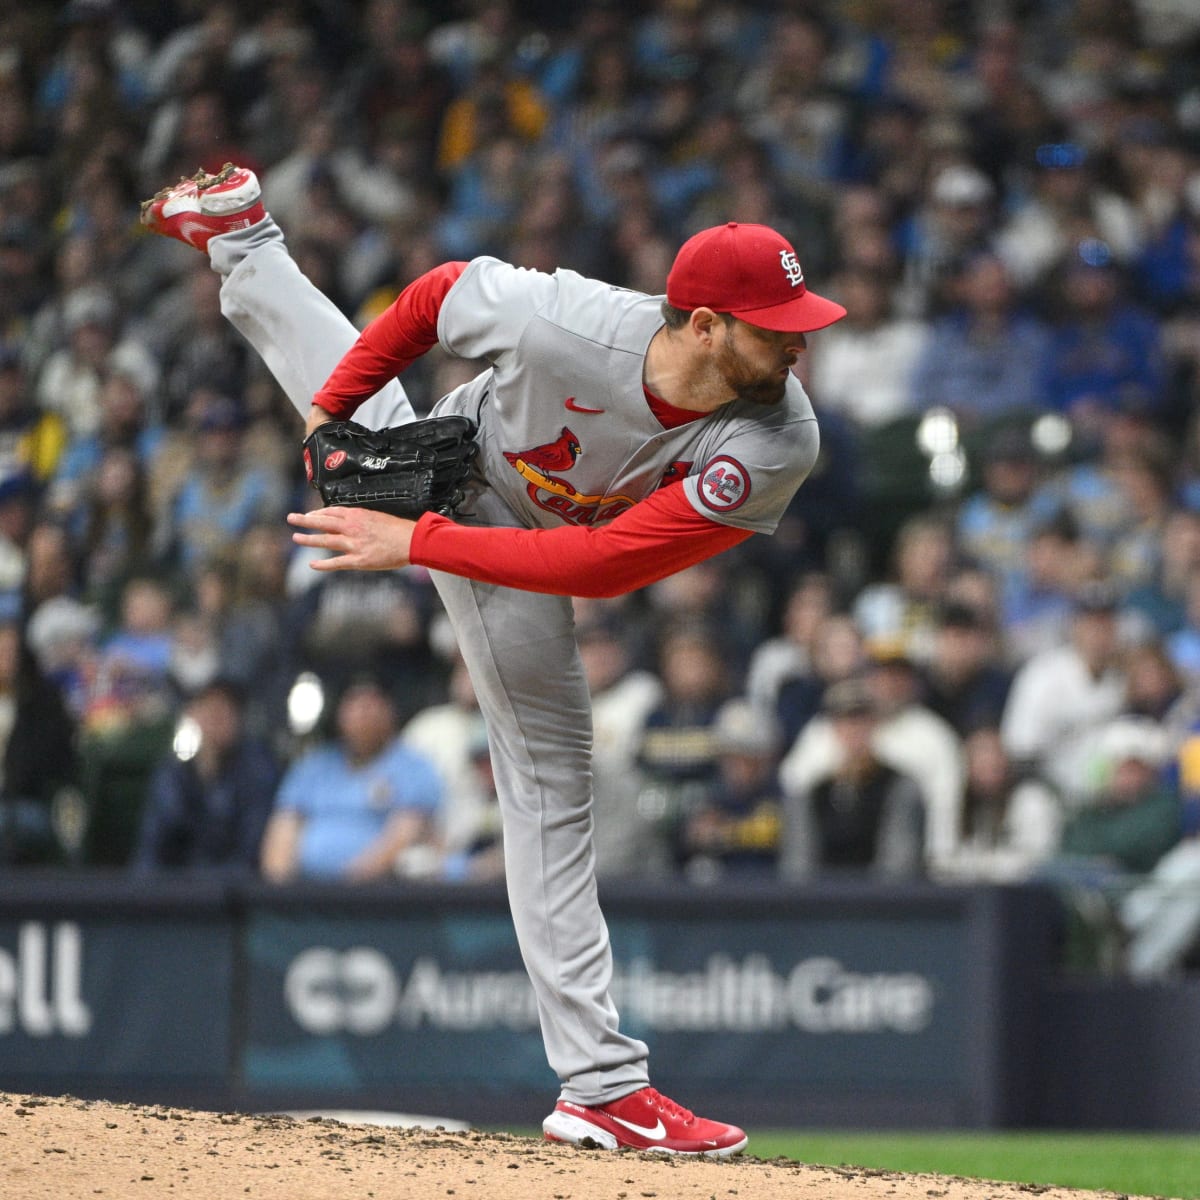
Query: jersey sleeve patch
{"x": 724, "y": 484}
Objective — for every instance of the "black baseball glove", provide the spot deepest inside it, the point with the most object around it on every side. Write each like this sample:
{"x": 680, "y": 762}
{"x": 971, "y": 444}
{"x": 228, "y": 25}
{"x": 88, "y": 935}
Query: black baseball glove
{"x": 405, "y": 470}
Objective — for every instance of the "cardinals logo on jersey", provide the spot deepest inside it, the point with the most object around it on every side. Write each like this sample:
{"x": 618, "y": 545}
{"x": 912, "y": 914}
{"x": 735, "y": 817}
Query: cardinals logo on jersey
{"x": 540, "y": 468}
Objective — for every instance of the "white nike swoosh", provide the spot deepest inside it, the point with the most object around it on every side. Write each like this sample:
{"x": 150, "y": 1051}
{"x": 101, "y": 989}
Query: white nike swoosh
{"x": 655, "y": 1135}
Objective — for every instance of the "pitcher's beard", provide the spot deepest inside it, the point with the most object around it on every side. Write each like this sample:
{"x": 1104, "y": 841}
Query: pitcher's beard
{"x": 767, "y": 391}
{"x": 748, "y": 383}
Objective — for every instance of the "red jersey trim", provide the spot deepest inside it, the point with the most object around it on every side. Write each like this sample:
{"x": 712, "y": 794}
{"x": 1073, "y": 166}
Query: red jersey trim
{"x": 670, "y": 417}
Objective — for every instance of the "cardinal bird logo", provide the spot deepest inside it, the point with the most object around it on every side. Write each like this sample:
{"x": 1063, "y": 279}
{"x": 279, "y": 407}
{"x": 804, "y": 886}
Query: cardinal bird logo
{"x": 558, "y": 455}
{"x": 540, "y": 466}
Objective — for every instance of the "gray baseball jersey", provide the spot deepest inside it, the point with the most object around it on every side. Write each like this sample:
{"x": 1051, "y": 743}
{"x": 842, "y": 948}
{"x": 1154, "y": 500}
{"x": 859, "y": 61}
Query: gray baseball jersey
{"x": 567, "y": 436}
{"x": 566, "y": 430}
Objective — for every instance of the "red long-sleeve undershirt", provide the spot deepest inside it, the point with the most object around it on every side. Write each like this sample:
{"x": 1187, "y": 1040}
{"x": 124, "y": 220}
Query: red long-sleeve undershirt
{"x": 404, "y": 331}
{"x": 655, "y": 538}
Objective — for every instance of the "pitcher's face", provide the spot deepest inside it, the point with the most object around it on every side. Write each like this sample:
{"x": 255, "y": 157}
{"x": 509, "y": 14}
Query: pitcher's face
{"x": 755, "y": 363}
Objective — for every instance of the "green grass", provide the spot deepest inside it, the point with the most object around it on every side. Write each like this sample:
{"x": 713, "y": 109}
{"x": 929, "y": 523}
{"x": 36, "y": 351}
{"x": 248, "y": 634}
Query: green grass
{"x": 1141, "y": 1164}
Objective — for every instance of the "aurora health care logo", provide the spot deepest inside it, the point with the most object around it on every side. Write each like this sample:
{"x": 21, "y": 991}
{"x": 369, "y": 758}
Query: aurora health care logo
{"x": 359, "y": 991}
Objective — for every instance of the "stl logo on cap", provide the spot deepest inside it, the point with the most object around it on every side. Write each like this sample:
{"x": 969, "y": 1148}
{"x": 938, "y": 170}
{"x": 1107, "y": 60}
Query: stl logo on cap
{"x": 724, "y": 484}
{"x": 791, "y": 267}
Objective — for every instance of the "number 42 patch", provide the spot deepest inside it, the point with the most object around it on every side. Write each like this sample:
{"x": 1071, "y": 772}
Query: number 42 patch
{"x": 724, "y": 484}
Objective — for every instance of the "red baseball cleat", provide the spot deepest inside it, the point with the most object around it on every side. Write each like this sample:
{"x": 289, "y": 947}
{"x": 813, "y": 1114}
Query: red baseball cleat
{"x": 643, "y": 1120}
{"x": 194, "y": 210}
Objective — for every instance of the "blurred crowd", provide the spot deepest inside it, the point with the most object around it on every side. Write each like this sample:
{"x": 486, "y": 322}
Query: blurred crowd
{"x": 971, "y": 652}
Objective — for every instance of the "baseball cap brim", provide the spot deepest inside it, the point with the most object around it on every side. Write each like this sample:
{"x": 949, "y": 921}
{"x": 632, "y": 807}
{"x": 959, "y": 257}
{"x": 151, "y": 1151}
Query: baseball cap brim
{"x": 801, "y": 314}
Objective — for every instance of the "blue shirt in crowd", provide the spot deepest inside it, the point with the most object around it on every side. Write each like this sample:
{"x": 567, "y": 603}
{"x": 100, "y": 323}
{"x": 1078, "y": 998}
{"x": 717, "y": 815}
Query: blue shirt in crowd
{"x": 1106, "y": 362}
{"x": 980, "y": 377}
{"x": 346, "y": 807}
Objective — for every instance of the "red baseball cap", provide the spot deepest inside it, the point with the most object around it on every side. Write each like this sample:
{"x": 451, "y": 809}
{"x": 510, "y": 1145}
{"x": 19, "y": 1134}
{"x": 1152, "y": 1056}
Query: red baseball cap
{"x": 750, "y": 272}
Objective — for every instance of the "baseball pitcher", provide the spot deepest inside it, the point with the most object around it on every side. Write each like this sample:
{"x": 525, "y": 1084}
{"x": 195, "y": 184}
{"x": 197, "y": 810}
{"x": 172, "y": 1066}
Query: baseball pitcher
{"x": 616, "y": 438}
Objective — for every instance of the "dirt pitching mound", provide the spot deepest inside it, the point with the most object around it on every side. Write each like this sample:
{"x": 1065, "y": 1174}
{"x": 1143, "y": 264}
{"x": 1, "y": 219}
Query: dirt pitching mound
{"x": 68, "y": 1149}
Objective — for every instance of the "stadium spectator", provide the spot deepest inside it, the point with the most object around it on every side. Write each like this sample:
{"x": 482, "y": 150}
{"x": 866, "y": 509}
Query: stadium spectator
{"x": 18, "y": 500}
{"x": 1161, "y": 600}
{"x": 983, "y": 355}
{"x": 864, "y": 369}
{"x": 677, "y": 747}
{"x": 920, "y": 743}
{"x": 1105, "y": 352}
{"x": 31, "y": 442}
{"x": 902, "y": 611}
{"x": 64, "y": 637}
{"x": 791, "y": 103}
{"x": 693, "y": 673}
{"x": 1160, "y": 915}
{"x": 1062, "y": 696}
{"x": 954, "y": 222}
{"x": 604, "y": 101}
{"x": 906, "y": 735}
{"x": 1035, "y": 614}
{"x": 197, "y": 348}
{"x": 124, "y": 425}
{"x": 996, "y": 524}
{"x": 224, "y": 495}
{"x": 791, "y": 651}
{"x": 112, "y": 526}
{"x": 709, "y": 595}
{"x": 362, "y": 806}
{"x": 1183, "y": 645}
{"x": 72, "y": 378}
{"x": 1158, "y": 169}
{"x": 39, "y": 765}
{"x": 481, "y": 858}
{"x": 1088, "y": 486}
{"x": 496, "y": 105}
{"x": 1156, "y": 689}
{"x": 209, "y": 798}
{"x": 1012, "y": 821}
{"x": 49, "y": 567}
{"x": 255, "y": 648}
{"x": 857, "y": 812}
{"x": 1065, "y": 203}
{"x": 128, "y": 720}
{"x": 838, "y": 653}
{"x": 734, "y": 830}
{"x": 376, "y": 623}
{"x": 1145, "y": 479}
{"x": 966, "y": 684}
{"x": 1135, "y": 817}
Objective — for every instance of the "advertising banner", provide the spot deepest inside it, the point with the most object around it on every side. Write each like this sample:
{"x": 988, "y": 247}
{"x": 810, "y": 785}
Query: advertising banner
{"x": 93, "y": 998}
{"x": 858, "y": 1004}
{"x": 442, "y": 999}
